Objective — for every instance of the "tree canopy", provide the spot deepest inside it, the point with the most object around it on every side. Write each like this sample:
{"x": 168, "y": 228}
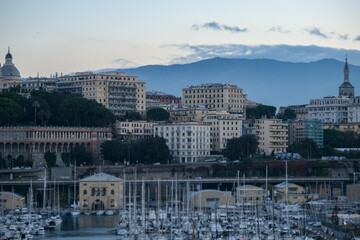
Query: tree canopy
{"x": 260, "y": 111}
{"x": 243, "y": 146}
{"x": 52, "y": 109}
{"x": 158, "y": 114}
{"x": 289, "y": 114}
{"x": 146, "y": 151}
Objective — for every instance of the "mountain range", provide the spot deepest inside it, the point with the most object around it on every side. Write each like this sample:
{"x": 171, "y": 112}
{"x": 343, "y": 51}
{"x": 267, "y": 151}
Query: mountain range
{"x": 266, "y": 81}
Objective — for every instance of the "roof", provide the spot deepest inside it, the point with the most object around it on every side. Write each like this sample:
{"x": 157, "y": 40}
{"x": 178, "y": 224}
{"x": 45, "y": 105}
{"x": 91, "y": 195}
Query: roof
{"x": 249, "y": 188}
{"x": 282, "y": 185}
{"x": 10, "y": 193}
{"x": 101, "y": 177}
{"x": 192, "y": 194}
{"x": 9, "y": 70}
{"x": 346, "y": 85}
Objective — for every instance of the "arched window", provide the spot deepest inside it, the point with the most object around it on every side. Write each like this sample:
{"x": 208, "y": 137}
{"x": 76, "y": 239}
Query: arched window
{"x": 112, "y": 192}
{"x": 104, "y": 191}
{"x": 93, "y": 192}
{"x": 98, "y": 192}
{"x": 84, "y": 192}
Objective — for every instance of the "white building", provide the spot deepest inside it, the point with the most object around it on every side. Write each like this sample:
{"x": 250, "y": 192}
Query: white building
{"x": 135, "y": 129}
{"x": 329, "y": 109}
{"x": 187, "y": 142}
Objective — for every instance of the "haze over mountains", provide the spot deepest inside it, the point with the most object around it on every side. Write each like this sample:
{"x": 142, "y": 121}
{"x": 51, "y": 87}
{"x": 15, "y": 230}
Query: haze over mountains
{"x": 266, "y": 81}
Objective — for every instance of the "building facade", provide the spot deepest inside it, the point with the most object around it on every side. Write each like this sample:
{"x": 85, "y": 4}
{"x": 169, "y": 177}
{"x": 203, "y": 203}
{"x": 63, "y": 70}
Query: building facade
{"x": 115, "y": 90}
{"x": 211, "y": 199}
{"x": 294, "y": 193}
{"x": 300, "y": 110}
{"x": 223, "y": 126}
{"x": 135, "y": 129}
{"x": 272, "y": 135}
{"x": 186, "y": 114}
{"x": 329, "y": 109}
{"x": 343, "y": 127}
{"x": 311, "y": 129}
{"x": 101, "y": 192}
{"x": 11, "y": 201}
{"x": 187, "y": 142}
{"x": 250, "y": 194}
{"x": 216, "y": 96}
{"x": 163, "y": 98}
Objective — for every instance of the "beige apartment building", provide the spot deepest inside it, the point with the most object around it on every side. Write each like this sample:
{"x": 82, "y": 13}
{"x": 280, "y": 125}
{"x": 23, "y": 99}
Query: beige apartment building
{"x": 10, "y": 201}
{"x": 272, "y": 135}
{"x": 101, "y": 192}
{"x": 295, "y": 193}
{"x": 186, "y": 114}
{"x": 216, "y": 96}
{"x": 135, "y": 130}
{"x": 223, "y": 126}
{"x": 115, "y": 90}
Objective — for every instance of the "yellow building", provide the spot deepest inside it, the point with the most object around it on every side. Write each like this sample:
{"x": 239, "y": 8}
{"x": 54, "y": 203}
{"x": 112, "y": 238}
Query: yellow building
{"x": 296, "y": 193}
{"x": 343, "y": 127}
{"x": 353, "y": 192}
{"x": 250, "y": 194}
{"x": 115, "y": 90}
{"x": 216, "y": 96}
{"x": 101, "y": 191}
{"x": 135, "y": 129}
{"x": 272, "y": 135}
{"x": 211, "y": 199}
{"x": 185, "y": 114}
{"x": 9, "y": 201}
{"x": 223, "y": 126}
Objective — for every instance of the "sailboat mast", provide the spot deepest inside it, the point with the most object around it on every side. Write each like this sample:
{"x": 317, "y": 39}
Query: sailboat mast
{"x": 44, "y": 197}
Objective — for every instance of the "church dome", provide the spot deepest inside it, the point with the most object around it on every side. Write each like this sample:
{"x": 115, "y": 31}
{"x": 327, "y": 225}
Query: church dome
{"x": 9, "y": 70}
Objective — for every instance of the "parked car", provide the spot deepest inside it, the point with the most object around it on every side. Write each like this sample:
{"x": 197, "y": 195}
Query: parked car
{"x": 157, "y": 163}
{"x": 236, "y": 161}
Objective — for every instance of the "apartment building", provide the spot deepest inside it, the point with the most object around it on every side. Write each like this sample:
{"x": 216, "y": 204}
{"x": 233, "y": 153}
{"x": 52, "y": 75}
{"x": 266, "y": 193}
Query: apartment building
{"x": 115, "y": 90}
{"x": 272, "y": 135}
{"x": 135, "y": 130}
{"x": 216, "y": 96}
{"x": 311, "y": 129}
{"x": 223, "y": 126}
{"x": 187, "y": 142}
{"x": 250, "y": 194}
{"x": 186, "y": 114}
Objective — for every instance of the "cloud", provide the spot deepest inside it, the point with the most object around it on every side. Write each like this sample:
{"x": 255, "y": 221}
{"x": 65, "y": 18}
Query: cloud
{"x": 278, "y": 52}
{"x": 218, "y": 27}
{"x": 278, "y": 29}
{"x": 357, "y": 38}
{"x": 124, "y": 63}
{"x": 343, "y": 36}
{"x": 316, "y": 32}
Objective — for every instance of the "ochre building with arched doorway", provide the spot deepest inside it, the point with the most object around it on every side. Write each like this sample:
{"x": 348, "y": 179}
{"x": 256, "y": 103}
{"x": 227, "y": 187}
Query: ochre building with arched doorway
{"x": 101, "y": 192}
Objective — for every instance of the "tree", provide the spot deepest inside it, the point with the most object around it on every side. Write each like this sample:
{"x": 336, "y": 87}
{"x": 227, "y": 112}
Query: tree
{"x": 306, "y": 148}
{"x": 245, "y": 145}
{"x": 114, "y": 151}
{"x": 260, "y": 111}
{"x": 158, "y": 114}
{"x": 50, "y": 158}
{"x": 82, "y": 156}
{"x": 10, "y": 112}
{"x": 337, "y": 139}
{"x": 132, "y": 116}
{"x": 288, "y": 114}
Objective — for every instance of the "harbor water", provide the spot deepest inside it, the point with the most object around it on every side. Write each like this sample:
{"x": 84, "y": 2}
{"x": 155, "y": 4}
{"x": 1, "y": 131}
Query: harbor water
{"x": 89, "y": 227}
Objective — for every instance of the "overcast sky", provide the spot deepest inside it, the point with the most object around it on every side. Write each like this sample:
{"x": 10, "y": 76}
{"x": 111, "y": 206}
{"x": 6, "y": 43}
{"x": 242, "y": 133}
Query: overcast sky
{"x": 77, "y": 35}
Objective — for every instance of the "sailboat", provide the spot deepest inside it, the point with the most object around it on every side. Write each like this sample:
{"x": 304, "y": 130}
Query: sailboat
{"x": 75, "y": 211}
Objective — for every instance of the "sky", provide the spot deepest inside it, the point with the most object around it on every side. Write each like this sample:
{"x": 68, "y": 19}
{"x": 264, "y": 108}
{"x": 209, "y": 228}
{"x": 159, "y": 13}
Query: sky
{"x": 68, "y": 36}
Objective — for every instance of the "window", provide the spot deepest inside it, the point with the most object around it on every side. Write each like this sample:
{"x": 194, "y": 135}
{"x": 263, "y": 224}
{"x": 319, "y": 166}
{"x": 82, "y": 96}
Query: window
{"x": 112, "y": 192}
{"x": 84, "y": 192}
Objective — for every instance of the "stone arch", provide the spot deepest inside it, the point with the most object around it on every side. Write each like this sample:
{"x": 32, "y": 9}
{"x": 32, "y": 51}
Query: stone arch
{"x": 53, "y": 147}
{"x": 28, "y": 148}
{"x": 59, "y": 148}
{"x": 7, "y": 147}
{"x": 22, "y": 148}
{"x": 42, "y": 147}
{"x": 14, "y": 147}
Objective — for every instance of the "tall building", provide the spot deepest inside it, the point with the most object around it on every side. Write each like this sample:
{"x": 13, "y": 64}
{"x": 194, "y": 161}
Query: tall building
{"x": 223, "y": 126}
{"x": 186, "y": 114}
{"x": 216, "y": 96}
{"x": 311, "y": 129}
{"x": 272, "y": 135}
{"x": 115, "y": 90}
{"x": 346, "y": 89}
{"x": 164, "y": 98}
{"x": 187, "y": 142}
{"x": 9, "y": 74}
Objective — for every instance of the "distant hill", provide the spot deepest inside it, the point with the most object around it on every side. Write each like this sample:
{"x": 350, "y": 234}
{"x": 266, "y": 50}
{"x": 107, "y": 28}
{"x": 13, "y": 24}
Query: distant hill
{"x": 266, "y": 81}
